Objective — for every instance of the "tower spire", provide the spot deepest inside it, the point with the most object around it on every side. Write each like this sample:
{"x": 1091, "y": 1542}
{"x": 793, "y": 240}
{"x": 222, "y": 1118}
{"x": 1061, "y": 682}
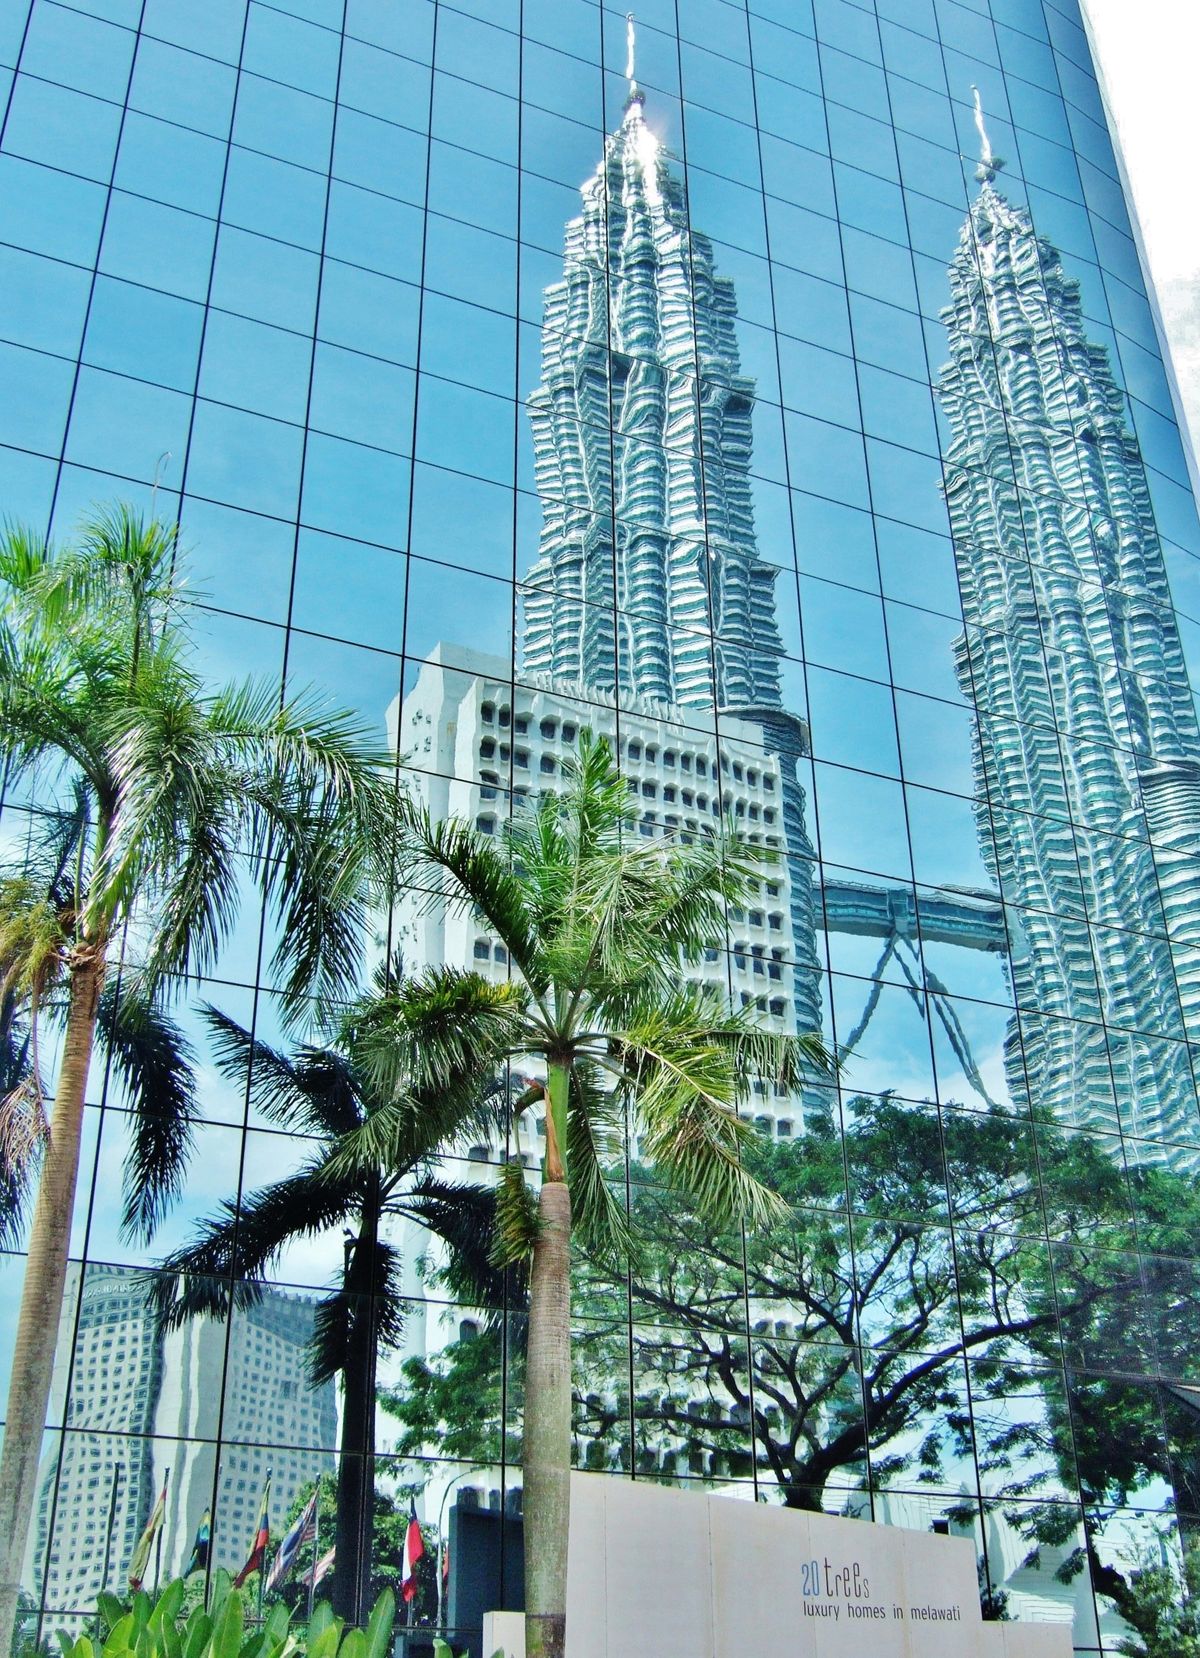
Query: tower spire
{"x": 989, "y": 163}
{"x": 636, "y": 96}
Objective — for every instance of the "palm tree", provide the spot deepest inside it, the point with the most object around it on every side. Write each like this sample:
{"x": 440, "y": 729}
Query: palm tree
{"x": 146, "y": 1049}
{"x": 187, "y": 794}
{"x": 324, "y": 1093}
{"x": 595, "y": 921}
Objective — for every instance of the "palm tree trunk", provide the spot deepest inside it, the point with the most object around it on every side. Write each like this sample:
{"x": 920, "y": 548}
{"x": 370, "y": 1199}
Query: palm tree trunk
{"x": 355, "y": 1520}
{"x": 547, "y": 1441}
{"x": 45, "y": 1283}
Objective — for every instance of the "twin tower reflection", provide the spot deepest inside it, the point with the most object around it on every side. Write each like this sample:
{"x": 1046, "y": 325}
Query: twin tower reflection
{"x": 650, "y": 600}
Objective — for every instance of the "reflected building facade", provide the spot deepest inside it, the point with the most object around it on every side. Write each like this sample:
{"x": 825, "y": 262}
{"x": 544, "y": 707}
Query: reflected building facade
{"x": 143, "y": 1415}
{"x": 694, "y": 475}
{"x": 648, "y": 599}
{"x": 1086, "y": 745}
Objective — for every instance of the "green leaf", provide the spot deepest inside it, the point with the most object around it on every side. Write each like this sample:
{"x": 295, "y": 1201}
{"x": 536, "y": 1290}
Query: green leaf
{"x": 111, "y": 1610}
{"x": 222, "y": 1588}
{"x": 120, "y": 1636}
{"x": 325, "y": 1644}
{"x": 227, "y": 1636}
{"x": 172, "y": 1644}
{"x": 276, "y": 1626}
{"x": 379, "y": 1626}
{"x": 321, "y": 1619}
{"x": 170, "y": 1602}
{"x": 354, "y": 1645}
{"x": 141, "y": 1609}
{"x": 197, "y": 1633}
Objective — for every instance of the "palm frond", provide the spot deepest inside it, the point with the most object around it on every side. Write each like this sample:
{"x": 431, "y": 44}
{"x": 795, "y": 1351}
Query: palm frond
{"x": 455, "y": 865}
{"x": 18, "y": 1180}
{"x": 24, "y": 556}
{"x": 596, "y": 803}
{"x": 233, "y": 1249}
{"x": 119, "y": 557}
{"x": 702, "y": 881}
{"x": 684, "y": 1086}
{"x": 338, "y": 1335}
{"x": 32, "y": 938}
{"x": 467, "y": 1219}
{"x": 440, "y": 1031}
{"x": 312, "y": 1092}
{"x": 154, "y": 1061}
{"x": 23, "y": 1130}
{"x": 599, "y": 1217}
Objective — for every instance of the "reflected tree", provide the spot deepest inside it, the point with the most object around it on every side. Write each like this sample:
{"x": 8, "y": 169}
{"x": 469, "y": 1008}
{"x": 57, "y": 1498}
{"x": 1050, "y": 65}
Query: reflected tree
{"x": 186, "y": 793}
{"x": 832, "y": 1344}
{"x": 325, "y": 1094}
{"x": 946, "y": 1286}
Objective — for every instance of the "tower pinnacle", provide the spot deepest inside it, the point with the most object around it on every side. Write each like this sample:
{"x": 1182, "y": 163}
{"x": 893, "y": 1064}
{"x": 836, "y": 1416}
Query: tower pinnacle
{"x": 636, "y": 96}
{"x": 989, "y": 163}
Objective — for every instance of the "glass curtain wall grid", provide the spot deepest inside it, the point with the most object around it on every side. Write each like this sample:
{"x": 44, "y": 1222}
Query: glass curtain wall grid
{"x": 776, "y": 392}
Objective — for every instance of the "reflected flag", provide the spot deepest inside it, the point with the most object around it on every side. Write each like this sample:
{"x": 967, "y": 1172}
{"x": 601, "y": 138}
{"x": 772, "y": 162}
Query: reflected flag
{"x": 304, "y": 1530}
{"x": 262, "y": 1536}
{"x": 414, "y": 1548}
{"x": 141, "y": 1554}
{"x": 200, "y": 1547}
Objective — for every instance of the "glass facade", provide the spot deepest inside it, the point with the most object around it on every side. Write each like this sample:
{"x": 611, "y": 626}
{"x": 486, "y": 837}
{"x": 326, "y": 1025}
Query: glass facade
{"x": 773, "y": 388}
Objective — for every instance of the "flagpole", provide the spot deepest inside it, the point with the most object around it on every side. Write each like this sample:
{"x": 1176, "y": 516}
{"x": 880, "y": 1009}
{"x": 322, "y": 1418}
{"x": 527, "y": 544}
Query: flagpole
{"x": 118, "y": 1469}
{"x": 312, "y": 1575}
{"x": 159, "y": 1538}
{"x": 262, "y": 1565}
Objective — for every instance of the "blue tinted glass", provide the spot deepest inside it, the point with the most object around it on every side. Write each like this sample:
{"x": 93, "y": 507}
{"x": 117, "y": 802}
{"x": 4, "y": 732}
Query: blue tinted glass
{"x": 61, "y": 128}
{"x": 42, "y": 302}
{"x": 146, "y": 334}
{"x": 65, "y": 46}
{"x": 182, "y": 86}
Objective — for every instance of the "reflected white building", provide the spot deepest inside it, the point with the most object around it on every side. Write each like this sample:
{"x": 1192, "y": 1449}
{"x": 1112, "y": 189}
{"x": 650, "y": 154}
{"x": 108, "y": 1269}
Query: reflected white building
{"x": 1086, "y": 744}
{"x": 466, "y": 730}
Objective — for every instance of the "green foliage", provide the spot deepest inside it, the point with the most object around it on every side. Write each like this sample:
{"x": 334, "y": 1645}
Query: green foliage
{"x": 937, "y": 1246}
{"x": 146, "y": 1629}
{"x": 596, "y": 920}
{"x": 1163, "y": 1613}
{"x": 516, "y": 1217}
{"x": 454, "y": 1400}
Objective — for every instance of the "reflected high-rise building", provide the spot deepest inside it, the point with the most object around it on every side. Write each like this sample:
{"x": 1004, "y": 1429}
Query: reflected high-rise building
{"x": 1086, "y": 744}
{"x": 648, "y": 595}
{"x": 143, "y": 1407}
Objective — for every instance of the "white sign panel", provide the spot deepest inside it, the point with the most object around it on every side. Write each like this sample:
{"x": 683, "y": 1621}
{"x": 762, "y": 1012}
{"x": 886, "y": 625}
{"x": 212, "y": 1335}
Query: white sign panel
{"x": 681, "y": 1574}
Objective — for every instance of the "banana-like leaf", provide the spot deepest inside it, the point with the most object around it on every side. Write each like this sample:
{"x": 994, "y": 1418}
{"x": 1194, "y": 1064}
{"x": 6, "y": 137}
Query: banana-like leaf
{"x": 379, "y": 1625}
{"x": 326, "y": 1643}
{"x": 227, "y": 1636}
{"x": 197, "y": 1634}
{"x": 111, "y": 1610}
{"x": 120, "y": 1637}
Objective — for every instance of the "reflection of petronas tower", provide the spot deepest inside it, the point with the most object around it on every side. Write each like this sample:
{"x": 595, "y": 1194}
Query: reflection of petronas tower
{"x": 639, "y": 334}
{"x": 648, "y": 581}
{"x": 1087, "y": 753}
